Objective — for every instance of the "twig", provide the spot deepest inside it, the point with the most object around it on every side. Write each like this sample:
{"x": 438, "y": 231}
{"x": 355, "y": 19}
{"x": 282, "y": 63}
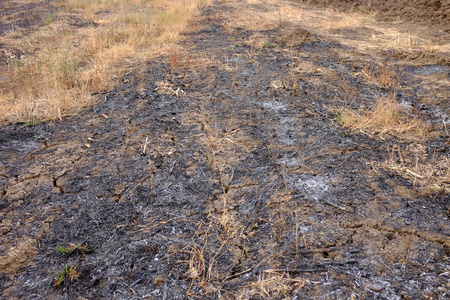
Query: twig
{"x": 249, "y": 56}
{"x": 231, "y": 177}
{"x": 337, "y": 262}
{"x": 366, "y": 74}
{"x": 134, "y": 292}
{"x": 409, "y": 243}
{"x": 304, "y": 239}
{"x": 335, "y": 205}
{"x": 319, "y": 250}
{"x": 344, "y": 161}
{"x": 243, "y": 272}
{"x": 294, "y": 271}
{"x": 414, "y": 174}
{"x": 296, "y": 233}
{"x": 319, "y": 267}
{"x": 145, "y": 145}
{"x": 283, "y": 169}
{"x": 173, "y": 166}
{"x": 417, "y": 168}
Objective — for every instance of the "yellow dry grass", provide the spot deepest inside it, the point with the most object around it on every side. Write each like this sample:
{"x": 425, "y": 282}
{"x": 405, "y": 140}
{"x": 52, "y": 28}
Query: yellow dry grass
{"x": 386, "y": 118}
{"x": 428, "y": 171}
{"x": 249, "y": 17}
{"x": 378, "y": 36}
{"x": 61, "y": 65}
{"x": 272, "y": 284}
{"x": 338, "y": 26}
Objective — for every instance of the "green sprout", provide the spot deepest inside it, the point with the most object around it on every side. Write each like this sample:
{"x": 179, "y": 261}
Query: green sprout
{"x": 337, "y": 118}
{"x": 66, "y": 274}
{"x": 63, "y": 250}
{"x": 73, "y": 248}
{"x": 49, "y": 18}
{"x": 33, "y": 122}
{"x": 266, "y": 44}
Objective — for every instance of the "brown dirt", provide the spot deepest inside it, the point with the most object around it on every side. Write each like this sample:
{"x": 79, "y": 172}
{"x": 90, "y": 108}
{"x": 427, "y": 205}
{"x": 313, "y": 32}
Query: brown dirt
{"x": 296, "y": 38}
{"x": 434, "y": 13}
{"x": 221, "y": 171}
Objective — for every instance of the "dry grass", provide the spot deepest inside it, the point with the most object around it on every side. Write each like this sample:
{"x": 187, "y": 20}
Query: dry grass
{"x": 272, "y": 285}
{"x": 249, "y": 17}
{"x": 386, "y": 78}
{"x": 377, "y": 36}
{"x": 428, "y": 171}
{"x": 226, "y": 145}
{"x": 214, "y": 241}
{"x": 382, "y": 74}
{"x": 386, "y": 118}
{"x": 61, "y": 65}
{"x": 223, "y": 237}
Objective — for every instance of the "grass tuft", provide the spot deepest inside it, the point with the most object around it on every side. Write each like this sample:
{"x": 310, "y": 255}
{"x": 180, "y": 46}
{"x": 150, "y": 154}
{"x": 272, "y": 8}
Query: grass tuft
{"x": 49, "y": 18}
{"x": 72, "y": 248}
{"x": 386, "y": 117}
{"x": 272, "y": 285}
{"x": 67, "y": 274}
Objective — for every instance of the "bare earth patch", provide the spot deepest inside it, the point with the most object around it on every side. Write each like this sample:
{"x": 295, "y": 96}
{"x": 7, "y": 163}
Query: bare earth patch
{"x": 279, "y": 151}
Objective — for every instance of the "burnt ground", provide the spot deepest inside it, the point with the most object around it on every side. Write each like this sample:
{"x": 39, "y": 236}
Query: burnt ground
{"x": 18, "y": 19}
{"x": 221, "y": 171}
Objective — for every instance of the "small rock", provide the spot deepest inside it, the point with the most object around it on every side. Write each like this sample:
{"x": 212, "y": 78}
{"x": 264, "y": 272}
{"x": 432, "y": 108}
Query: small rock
{"x": 376, "y": 287}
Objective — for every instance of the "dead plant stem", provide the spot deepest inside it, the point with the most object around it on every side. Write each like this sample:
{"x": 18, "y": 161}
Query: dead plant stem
{"x": 408, "y": 252}
{"x": 283, "y": 170}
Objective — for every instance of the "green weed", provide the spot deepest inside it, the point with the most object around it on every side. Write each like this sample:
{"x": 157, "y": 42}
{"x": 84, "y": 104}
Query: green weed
{"x": 49, "y": 18}
{"x": 65, "y": 275}
{"x": 266, "y": 44}
{"x": 337, "y": 118}
{"x": 73, "y": 248}
{"x": 32, "y": 123}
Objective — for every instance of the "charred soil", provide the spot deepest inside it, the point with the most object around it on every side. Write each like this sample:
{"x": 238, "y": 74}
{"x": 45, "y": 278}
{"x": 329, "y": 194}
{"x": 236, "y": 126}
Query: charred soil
{"x": 226, "y": 170}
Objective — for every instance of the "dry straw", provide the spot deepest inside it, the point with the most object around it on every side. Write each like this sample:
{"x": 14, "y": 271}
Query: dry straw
{"x": 60, "y": 66}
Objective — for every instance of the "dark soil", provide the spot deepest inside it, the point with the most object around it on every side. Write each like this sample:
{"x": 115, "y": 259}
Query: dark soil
{"x": 426, "y": 12}
{"x": 221, "y": 172}
{"x": 23, "y": 15}
{"x": 17, "y": 20}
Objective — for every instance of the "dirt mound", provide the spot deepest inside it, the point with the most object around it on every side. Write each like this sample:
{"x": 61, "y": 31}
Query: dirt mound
{"x": 296, "y": 38}
{"x": 426, "y": 12}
